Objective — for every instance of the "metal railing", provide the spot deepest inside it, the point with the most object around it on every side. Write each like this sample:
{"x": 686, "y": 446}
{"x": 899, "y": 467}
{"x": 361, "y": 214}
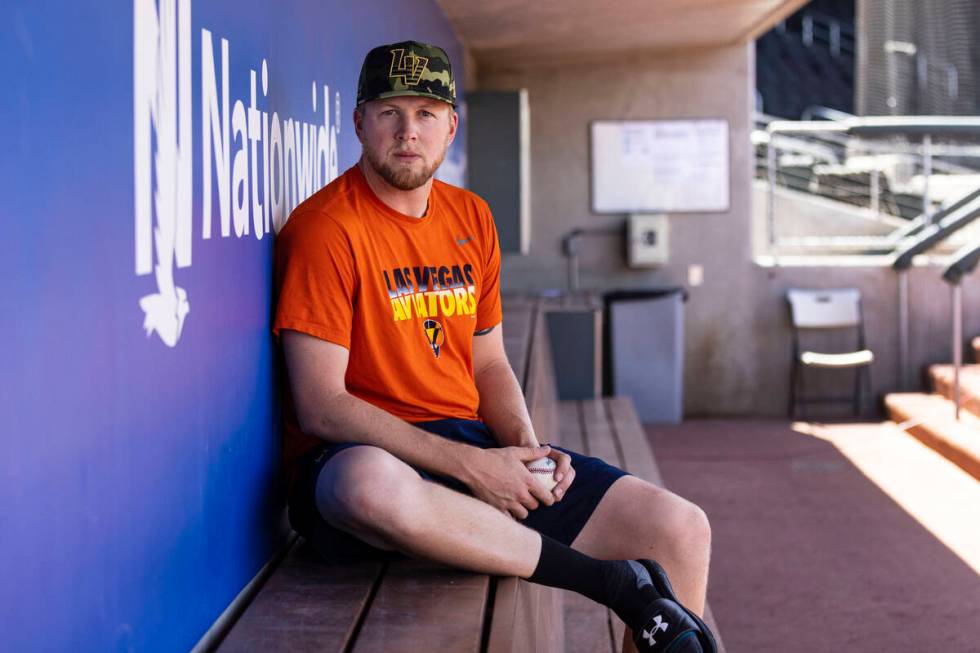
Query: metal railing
{"x": 817, "y": 112}
{"x": 853, "y": 161}
{"x": 934, "y": 225}
{"x": 946, "y": 222}
{"x": 959, "y": 215}
{"x": 963, "y": 263}
{"x": 819, "y": 28}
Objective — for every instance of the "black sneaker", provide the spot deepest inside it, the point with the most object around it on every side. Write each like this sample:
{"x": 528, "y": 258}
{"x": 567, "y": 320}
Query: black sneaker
{"x": 669, "y": 627}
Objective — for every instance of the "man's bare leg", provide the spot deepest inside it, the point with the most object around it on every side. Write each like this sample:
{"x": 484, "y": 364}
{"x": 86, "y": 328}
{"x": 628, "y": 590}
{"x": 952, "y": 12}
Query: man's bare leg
{"x": 636, "y": 519}
{"x": 375, "y": 496}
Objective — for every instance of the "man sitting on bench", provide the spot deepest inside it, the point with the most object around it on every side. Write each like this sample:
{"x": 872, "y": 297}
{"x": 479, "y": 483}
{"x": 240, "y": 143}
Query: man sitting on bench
{"x": 405, "y": 427}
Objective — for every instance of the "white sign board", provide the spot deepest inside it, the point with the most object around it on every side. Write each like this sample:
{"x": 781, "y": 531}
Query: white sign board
{"x": 669, "y": 166}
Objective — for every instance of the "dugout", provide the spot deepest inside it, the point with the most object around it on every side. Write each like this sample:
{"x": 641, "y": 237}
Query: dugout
{"x": 139, "y": 376}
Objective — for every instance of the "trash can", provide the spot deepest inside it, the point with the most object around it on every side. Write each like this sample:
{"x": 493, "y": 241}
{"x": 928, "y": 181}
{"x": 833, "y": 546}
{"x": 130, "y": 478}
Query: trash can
{"x": 644, "y": 351}
{"x": 575, "y": 333}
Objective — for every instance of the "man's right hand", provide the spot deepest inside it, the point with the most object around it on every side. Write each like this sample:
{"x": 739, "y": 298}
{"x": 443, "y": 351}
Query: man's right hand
{"x": 499, "y": 477}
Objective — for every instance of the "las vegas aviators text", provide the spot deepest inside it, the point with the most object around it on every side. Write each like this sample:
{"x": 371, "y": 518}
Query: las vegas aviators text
{"x": 431, "y": 291}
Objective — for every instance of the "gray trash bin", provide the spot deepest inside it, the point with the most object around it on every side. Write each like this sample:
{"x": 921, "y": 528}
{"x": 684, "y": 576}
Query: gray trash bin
{"x": 644, "y": 346}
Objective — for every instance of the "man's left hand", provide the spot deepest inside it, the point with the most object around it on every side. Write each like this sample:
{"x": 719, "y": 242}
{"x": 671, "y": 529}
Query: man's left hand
{"x": 564, "y": 473}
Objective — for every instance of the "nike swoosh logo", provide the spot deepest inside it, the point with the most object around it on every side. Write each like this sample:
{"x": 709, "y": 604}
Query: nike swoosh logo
{"x": 463, "y": 241}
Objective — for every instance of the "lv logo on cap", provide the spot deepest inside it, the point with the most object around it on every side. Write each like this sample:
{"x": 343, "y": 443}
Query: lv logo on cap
{"x": 409, "y": 68}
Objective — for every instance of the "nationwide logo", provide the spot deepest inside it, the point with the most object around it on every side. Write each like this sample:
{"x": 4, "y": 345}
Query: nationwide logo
{"x": 260, "y": 165}
{"x": 434, "y": 334}
{"x": 409, "y": 68}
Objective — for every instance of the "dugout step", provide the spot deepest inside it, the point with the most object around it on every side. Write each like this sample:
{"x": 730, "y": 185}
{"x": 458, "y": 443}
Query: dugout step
{"x": 930, "y": 418}
{"x": 941, "y": 380}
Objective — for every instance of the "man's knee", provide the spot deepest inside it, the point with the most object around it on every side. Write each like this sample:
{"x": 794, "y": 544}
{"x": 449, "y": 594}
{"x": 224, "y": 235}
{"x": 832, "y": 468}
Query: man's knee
{"x": 670, "y": 523}
{"x": 366, "y": 487}
{"x": 698, "y": 526}
{"x": 687, "y": 526}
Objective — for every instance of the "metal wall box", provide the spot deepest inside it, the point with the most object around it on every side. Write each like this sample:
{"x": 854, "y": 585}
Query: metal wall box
{"x": 648, "y": 240}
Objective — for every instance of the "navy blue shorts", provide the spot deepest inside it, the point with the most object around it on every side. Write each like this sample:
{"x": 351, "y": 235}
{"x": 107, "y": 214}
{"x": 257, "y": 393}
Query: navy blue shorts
{"x": 562, "y": 521}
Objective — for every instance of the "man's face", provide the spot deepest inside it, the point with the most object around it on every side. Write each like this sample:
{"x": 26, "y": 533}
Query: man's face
{"x": 404, "y": 139}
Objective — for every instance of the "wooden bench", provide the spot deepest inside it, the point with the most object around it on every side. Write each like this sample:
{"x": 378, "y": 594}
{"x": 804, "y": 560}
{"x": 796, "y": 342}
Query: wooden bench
{"x": 306, "y": 605}
{"x": 609, "y": 429}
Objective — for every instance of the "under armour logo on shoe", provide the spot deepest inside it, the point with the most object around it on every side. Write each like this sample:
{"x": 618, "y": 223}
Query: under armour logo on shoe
{"x": 658, "y": 624}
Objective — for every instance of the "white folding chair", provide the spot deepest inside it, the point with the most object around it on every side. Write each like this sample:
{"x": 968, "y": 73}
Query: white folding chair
{"x": 821, "y": 311}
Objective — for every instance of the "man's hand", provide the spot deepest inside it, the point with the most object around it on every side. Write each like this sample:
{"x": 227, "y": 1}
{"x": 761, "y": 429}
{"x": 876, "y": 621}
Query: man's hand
{"x": 564, "y": 473}
{"x": 499, "y": 477}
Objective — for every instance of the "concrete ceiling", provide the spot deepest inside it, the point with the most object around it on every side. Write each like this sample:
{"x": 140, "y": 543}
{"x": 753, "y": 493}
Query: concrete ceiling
{"x": 521, "y": 32}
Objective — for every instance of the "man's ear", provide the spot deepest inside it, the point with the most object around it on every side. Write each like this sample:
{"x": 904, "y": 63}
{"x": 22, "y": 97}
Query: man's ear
{"x": 453, "y": 126}
{"x": 358, "y": 117}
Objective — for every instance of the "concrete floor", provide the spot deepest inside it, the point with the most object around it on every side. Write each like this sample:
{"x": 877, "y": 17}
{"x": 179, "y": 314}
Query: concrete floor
{"x": 831, "y": 537}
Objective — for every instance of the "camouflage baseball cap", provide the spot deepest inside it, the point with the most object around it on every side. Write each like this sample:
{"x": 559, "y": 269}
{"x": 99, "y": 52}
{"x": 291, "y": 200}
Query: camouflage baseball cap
{"x": 406, "y": 68}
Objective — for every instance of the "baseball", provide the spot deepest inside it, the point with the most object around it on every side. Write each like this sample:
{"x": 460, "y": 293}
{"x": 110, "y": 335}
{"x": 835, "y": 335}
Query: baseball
{"x": 543, "y": 470}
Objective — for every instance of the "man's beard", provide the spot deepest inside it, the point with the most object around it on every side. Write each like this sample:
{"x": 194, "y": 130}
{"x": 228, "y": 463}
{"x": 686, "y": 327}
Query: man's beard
{"x": 403, "y": 178}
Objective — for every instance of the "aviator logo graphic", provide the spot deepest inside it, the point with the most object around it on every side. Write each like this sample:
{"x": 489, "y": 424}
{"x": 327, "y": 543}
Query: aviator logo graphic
{"x": 263, "y": 166}
{"x": 435, "y": 335}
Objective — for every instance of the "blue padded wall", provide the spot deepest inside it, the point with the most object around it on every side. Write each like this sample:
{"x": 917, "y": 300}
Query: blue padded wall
{"x": 140, "y": 443}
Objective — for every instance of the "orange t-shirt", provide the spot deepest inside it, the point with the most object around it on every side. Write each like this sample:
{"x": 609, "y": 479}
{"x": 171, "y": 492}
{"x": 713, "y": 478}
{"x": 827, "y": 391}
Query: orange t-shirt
{"x": 403, "y": 294}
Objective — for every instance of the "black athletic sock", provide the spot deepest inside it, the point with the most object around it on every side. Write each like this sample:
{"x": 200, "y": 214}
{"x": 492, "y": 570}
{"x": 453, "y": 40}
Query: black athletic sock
{"x": 612, "y": 583}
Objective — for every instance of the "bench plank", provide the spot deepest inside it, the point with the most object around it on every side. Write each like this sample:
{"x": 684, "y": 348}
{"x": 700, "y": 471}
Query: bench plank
{"x": 586, "y": 622}
{"x": 305, "y": 606}
{"x": 632, "y": 457}
{"x": 527, "y": 618}
{"x": 639, "y": 461}
{"x": 599, "y": 439}
{"x": 598, "y": 432}
{"x": 587, "y": 626}
{"x": 617, "y": 630}
{"x": 517, "y": 327}
{"x": 541, "y": 390}
{"x": 569, "y": 427}
{"x": 637, "y": 455}
{"x": 422, "y": 606}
